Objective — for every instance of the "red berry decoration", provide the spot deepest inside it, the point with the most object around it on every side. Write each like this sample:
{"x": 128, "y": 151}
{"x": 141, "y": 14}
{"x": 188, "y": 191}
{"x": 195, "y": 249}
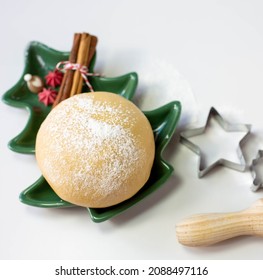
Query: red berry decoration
{"x": 54, "y": 78}
{"x": 47, "y": 96}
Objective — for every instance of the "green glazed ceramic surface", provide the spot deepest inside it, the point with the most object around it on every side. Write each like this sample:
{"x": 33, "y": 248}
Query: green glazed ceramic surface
{"x": 163, "y": 121}
{"x": 39, "y": 60}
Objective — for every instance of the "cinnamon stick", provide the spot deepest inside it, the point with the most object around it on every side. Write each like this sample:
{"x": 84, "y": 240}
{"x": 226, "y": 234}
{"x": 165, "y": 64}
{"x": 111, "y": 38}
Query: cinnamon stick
{"x": 82, "y": 52}
{"x": 84, "y": 58}
{"x": 93, "y": 44}
{"x": 83, "y": 55}
{"x": 90, "y": 54}
{"x": 65, "y": 88}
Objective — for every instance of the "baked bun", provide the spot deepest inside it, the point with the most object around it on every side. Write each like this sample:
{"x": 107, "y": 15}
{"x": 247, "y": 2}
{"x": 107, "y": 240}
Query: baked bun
{"x": 95, "y": 149}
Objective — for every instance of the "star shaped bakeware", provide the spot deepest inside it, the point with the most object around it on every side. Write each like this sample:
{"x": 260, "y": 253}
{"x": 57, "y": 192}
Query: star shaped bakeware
{"x": 228, "y": 127}
{"x": 257, "y": 173}
{"x": 39, "y": 60}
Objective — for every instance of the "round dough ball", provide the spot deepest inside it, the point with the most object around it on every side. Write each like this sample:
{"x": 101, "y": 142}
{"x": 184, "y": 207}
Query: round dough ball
{"x": 95, "y": 149}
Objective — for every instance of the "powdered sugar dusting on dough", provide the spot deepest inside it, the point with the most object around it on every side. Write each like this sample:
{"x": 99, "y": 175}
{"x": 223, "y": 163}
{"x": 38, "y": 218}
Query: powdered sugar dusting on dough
{"x": 100, "y": 128}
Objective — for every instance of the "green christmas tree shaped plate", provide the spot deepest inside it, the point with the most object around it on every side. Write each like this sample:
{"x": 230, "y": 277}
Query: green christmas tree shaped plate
{"x": 39, "y": 60}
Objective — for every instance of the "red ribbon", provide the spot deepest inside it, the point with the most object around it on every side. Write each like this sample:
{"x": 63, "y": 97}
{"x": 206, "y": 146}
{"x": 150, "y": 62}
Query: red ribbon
{"x": 84, "y": 71}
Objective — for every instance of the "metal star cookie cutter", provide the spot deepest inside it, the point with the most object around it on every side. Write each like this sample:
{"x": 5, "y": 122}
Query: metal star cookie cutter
{"x": 242, "y": 166}
{"x": 256, "y": 174}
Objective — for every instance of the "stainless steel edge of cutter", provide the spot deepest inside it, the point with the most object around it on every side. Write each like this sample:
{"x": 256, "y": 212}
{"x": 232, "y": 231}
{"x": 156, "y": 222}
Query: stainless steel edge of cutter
{"x": 229, "y": 127}
{"x": 257, "y": 182}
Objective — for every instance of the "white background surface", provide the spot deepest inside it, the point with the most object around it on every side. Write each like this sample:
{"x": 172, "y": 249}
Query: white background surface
{"x": 203, "y": 53}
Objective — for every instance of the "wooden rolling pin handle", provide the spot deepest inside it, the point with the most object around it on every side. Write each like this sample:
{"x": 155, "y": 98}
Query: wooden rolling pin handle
{"x": 208, "y": 229}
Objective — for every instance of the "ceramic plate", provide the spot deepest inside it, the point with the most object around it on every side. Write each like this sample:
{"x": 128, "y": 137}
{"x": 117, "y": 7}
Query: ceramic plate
{"x": 39, "y": 60}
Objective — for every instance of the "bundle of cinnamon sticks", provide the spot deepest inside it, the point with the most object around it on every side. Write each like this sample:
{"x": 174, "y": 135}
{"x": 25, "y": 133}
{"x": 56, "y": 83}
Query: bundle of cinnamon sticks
{"x": 82, "y": 51}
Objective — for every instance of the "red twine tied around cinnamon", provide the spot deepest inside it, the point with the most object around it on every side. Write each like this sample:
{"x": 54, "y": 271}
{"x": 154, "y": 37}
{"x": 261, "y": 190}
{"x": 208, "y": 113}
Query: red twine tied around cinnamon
{"x": 84, "y": 71}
